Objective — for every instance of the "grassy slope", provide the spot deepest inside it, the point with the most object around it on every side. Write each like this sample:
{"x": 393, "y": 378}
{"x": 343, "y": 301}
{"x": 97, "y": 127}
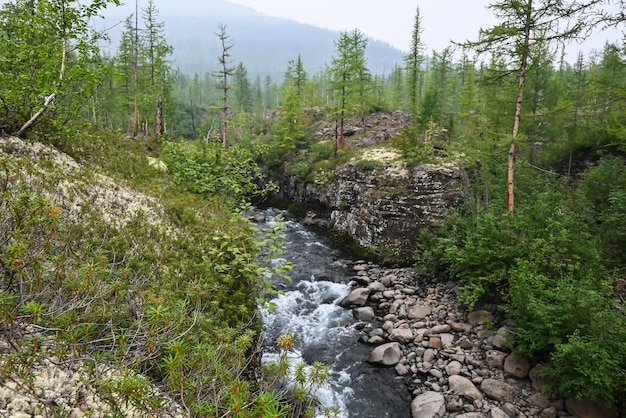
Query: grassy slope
{"x": 110, "y": 276}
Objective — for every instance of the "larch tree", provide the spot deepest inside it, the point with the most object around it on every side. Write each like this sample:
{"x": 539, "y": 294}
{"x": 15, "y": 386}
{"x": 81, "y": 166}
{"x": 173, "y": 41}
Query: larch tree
{"x": 223, "y": 74}
{"x": 413, "y": 62}
{"x": 522, "y": 24}
{"x": 349, "y": 76}
{"x": 155, "y": 54}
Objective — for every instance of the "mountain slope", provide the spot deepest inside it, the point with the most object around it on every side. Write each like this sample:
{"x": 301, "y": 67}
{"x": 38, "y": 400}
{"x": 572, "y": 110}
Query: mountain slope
{"x": 264, "y": 44}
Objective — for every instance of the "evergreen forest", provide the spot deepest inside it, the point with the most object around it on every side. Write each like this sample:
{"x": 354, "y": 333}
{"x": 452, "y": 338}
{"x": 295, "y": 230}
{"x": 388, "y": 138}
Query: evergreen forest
{"x": 163, "y": 305}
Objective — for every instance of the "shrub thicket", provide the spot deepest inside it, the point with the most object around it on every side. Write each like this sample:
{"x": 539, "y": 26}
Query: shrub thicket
{"x": 548, "y": 264}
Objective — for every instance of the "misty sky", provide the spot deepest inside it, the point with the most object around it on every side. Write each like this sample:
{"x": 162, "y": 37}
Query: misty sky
{"x": 387, "y": 20}
{"x": 392, "y": 20}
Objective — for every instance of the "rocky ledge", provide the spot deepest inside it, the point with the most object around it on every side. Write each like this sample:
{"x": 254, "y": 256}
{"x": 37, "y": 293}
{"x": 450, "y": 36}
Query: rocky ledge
{"x": 456, "y": 363}
{"x": 377, "y": 203}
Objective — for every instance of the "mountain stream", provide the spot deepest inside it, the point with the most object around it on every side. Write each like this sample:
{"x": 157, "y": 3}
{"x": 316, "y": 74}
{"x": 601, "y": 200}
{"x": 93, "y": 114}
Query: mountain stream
{"x": 325, "y": 331}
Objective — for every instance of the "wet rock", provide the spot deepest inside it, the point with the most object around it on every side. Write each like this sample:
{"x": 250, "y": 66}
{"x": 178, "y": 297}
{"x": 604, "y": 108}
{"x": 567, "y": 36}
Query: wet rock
{"x": 358, "y": 297}
{"x": 587, "y": 408}
{"x": 365, "y": 313}
{"x": 517, "y": 366}
{"x": 498, "y": 390}
{"x": 464, "y": 387}
{"x": 387, "y": 354}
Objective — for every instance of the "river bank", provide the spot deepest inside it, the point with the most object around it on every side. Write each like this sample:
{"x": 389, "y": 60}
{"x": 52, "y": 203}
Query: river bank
{"x": 455, "y": 363}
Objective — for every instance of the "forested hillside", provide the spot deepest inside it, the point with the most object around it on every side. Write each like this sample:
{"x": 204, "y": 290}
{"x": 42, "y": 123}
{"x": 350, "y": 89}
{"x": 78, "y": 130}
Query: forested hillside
{"x": 165, "y": 291}
{"x": 190, "y": 28}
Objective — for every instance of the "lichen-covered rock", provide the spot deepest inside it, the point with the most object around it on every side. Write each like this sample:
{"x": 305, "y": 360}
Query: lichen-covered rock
{"x": 381, "y": 204}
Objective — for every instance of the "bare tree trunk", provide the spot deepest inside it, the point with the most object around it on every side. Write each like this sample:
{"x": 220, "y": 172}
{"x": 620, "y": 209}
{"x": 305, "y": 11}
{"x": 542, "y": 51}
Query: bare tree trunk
{"x": 159, "y": 121}
{"x": 49, "y": 99}
{"x": 510, "y": 201}
{"x": 136, "y": 74}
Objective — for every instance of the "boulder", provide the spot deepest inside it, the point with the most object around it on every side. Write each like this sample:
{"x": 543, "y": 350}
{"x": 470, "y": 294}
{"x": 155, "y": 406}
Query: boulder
{"x": 453, "y": 368}
{"x": 495, "y": 359}
{"x": 479, "y": 317}
{"x": 402, "y": 335}
{"x": 376, "y": 287}
{"x": 386, "y": 354}
{"x": 538, "y": 381}
{"x": 549, "y": 413}
{"x": 517, "y": 366}
{"x": 498, "y": 390}
{"x": 587, "y": 408}
{"x": 358, "y": 297}
{"x": 498, "y": 413}
{"x": 501, "y": 339}
{"x": 438, "y": 329}
{"x": 428, "y": 405}
{"x": 419, "y": 312}
{"x": 365, "y": 313}
{"x": 464, "y": 387}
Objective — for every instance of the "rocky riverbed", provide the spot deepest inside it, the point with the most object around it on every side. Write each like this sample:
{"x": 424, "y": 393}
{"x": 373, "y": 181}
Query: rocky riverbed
{"x": 456, "y": 363}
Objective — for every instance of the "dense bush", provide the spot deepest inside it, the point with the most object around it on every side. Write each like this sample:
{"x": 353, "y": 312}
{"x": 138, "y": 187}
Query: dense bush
{"x": 209, "y": 170}
{"x": 545, "y": 262}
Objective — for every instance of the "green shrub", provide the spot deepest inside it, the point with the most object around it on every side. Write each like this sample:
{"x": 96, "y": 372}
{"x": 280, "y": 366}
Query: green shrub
{"x": 167, "y": 292}
{"x": 546, "y": 264}
{"x": 210, "y": 170}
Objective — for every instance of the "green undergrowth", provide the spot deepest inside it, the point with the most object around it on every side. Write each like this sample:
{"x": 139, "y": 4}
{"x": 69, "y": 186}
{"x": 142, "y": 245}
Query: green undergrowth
{"x": 552, "y": 265}
{"x": 111, "y": 266}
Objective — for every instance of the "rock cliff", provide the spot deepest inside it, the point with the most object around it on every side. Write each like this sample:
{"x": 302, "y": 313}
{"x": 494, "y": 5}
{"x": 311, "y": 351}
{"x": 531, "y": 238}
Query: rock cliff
{"x": 376, "y": 202}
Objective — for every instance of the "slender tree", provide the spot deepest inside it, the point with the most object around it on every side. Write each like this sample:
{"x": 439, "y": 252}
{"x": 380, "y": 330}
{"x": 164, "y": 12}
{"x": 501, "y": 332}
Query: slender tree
{"x": 349, "y": 76}
{"x": 413, "y": 63}
{"x": 223, "y": 74}
{"x": 522, "y": 24}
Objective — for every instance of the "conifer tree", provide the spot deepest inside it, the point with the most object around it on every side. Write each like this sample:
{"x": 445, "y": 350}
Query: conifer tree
{"x": 523, "y": 23}
{"x": 350, "y": 76}
{"x": 223, "y": 75}
{"x": 413, "y": 63}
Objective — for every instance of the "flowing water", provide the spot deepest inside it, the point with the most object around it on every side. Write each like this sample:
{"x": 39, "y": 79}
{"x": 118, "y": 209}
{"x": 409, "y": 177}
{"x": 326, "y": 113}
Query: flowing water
{"x": 325, "y": 331}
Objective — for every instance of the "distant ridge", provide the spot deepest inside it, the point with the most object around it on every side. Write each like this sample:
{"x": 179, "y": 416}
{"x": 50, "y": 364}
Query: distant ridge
{"x": 264, "y": 44}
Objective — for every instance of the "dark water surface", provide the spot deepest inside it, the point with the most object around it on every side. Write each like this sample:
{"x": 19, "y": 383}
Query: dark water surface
{"x": 325, "y": 331}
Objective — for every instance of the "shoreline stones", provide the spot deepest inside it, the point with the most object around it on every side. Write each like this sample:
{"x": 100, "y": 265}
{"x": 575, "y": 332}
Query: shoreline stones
{"x": 455, "y": 363}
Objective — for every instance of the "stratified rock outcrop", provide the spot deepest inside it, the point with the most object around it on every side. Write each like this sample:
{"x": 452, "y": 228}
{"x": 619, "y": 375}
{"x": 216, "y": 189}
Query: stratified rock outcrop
{"x": 377, "y": 202}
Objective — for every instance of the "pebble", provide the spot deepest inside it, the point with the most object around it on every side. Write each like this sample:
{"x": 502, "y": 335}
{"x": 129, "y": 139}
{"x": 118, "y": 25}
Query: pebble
{"x": 449, "y": 343}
